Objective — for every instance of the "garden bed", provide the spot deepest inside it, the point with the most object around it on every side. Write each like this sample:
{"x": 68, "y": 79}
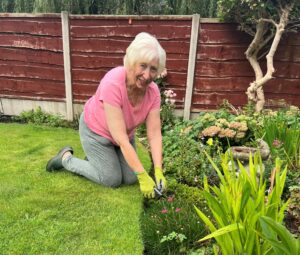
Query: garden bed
{"x": 174, "y": 223}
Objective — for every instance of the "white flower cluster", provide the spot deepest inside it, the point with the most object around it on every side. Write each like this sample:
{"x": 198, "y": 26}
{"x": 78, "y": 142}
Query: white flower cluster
{"x": 169, "y": 94}
{"x": 163, "y": 74}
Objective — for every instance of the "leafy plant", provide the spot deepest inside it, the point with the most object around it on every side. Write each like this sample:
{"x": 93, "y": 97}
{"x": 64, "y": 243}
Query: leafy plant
{"x": 238, "y": 203}
{"x": 185, "y": 161}
{"x": 170, "y": 226}
{"x": 177, "y": 237}
{"x": 280, "y": 238}
{"x": 39, "y": 117}
{"x": 293, "y": 210}
{"x": 282, "y": 133}
{"x": 167, "y": 102}
{"x": 167, "y": 109}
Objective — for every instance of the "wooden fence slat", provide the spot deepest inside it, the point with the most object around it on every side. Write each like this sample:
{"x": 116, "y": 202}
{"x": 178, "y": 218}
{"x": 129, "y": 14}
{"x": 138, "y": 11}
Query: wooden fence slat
{"x": 191, "y": 67}
{"x": 31, "y": 42}
{"x": 67, "y": 64}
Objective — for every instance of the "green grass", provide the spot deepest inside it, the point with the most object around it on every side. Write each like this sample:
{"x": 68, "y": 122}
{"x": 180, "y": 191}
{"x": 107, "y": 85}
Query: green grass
{"x": 60, "y": 213}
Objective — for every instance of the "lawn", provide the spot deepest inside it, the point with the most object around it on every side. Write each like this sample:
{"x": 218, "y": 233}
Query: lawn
{"x": 60, "y": 213}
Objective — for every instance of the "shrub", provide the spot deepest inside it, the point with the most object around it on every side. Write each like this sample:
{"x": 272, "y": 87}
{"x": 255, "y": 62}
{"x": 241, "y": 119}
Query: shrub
{"x": 185, "y": 161}
{"x": 40, "y": 117}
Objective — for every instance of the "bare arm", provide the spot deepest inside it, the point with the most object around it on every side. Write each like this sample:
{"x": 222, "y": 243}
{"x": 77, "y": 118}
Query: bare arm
{"x": 117, "y": 128}
{"x": 155, "y": 137}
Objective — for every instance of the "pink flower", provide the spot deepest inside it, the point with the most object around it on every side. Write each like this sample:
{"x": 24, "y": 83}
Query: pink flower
{"x": 172, "y": 101}
{"x": 170, "y": 199}
{"x": 277, "y": 143}
{"x": 169, "y": 93}
{"x": 164, "y": 211}
{"x": 177, "y": 210}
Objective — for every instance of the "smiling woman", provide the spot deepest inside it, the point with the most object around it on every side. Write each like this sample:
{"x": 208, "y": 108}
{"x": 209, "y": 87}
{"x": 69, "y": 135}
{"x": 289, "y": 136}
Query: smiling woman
{"x": 138, "y": 79}
{"x": 126, "y": 97}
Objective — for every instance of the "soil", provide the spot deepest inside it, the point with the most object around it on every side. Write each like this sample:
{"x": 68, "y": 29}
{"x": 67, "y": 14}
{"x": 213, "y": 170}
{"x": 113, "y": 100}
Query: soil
{"x": 292, "y": 224}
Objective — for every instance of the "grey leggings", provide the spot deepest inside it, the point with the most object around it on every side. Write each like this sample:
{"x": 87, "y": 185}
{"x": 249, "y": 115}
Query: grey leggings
{"x": 106, "y": 164}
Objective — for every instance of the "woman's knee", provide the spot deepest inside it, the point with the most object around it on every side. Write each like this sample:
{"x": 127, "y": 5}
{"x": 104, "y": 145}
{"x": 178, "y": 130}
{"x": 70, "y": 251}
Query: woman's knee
{"x": 129, "y": 179}
{"x": 112, "y": 181}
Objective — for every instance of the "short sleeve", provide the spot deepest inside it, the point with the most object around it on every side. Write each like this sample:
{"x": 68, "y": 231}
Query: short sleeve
{"x": 109, "y": 93}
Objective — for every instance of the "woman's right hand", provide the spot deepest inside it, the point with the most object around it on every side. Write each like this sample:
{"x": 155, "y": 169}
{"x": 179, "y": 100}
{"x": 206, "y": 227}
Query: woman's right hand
{"x": 147, "y": 185}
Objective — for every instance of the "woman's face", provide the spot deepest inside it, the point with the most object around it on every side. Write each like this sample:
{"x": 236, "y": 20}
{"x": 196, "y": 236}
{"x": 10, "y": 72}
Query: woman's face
{"x": 143, "y": 74}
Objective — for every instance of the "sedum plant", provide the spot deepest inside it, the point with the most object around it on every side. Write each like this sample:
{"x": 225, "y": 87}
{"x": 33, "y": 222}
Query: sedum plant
{"x": 238, "y": 203}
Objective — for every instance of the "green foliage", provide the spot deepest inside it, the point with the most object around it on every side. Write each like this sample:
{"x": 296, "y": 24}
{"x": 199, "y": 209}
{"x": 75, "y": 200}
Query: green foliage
{"x": 50, "y": 6}
{"x": 282, "y": 133}
{"x": 293, "y": 209}
{"x": 185, "y": 161}
{"x": 238, "y": 203}
{"x": 7, "y": 6}
{"x": 248, "y": 12}
{"x": 206, "y": 8}
{"x": 40, "y": 117}
{"x": 170, "y": 226}
{"x": 167, "y": 104}
{"x": 281, "y": 239}
{"x": 179, "y": 238}
{"x": 24, "y": 6}
{"x": 185, "y": 141}
{"x": 192, "y": 195}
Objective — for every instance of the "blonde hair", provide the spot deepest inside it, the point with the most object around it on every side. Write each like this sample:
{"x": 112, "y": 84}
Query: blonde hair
{"x": 145, "y": 48}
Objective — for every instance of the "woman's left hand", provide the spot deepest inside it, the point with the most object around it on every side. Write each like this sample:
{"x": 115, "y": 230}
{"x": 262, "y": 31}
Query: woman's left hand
{"x": 160, "y": 180}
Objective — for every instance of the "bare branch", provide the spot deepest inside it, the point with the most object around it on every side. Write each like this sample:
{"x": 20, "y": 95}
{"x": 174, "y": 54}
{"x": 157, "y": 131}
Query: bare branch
{"x": 247, "y": 29}
{"x": 269, "y": 21}
{"x": 264, "y": 43}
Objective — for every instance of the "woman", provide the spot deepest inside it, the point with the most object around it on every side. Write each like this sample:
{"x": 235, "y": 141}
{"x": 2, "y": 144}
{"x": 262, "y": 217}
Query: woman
{"x": 125, "y": 98}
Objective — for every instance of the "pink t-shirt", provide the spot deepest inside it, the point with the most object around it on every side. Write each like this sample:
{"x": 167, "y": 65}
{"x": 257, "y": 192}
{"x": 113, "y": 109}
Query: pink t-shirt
{"x": 112, "y": 90}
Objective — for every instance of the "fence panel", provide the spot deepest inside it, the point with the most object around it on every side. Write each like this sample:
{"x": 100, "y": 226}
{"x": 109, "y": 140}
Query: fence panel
{"x": 31, "y": 63}
{"x": 98, "y": 43}
{"x": 32, "y": 66}
{"x": 222, "y": 71}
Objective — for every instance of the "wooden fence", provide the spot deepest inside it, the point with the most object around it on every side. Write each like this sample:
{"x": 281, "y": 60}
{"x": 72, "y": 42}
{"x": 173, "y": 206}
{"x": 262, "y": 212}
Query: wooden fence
{"x": 56, "y": 61}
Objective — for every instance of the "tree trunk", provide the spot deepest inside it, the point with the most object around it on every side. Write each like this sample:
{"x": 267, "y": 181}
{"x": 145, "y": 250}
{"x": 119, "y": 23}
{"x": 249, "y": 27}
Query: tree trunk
{"x": 255, "y": 91}
{"x": 251, "y": 55}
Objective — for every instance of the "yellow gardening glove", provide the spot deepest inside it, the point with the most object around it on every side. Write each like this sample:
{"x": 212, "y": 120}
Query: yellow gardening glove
{"x": 147, "y": 185}
{"x": 161, "y": 182}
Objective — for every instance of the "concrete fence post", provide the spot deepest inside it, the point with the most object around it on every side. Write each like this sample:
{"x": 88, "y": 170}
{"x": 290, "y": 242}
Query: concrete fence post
{"x": 191, "y": 67}
{"x": 67, "y": 65}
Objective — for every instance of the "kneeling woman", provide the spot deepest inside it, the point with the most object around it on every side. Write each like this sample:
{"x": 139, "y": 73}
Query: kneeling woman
{"x": 126, "y": 97}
